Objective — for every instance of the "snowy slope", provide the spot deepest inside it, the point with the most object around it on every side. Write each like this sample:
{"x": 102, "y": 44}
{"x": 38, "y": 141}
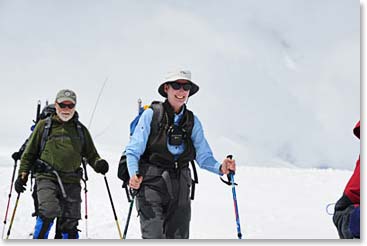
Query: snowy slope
{"x": 274, "y": 203}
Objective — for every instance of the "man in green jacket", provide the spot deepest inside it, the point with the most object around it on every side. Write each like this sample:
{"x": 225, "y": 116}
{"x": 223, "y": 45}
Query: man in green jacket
{"x": 54, "y": 153}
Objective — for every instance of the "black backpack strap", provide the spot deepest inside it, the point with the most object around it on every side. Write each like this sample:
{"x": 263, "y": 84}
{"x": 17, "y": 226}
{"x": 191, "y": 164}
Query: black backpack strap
{"x": 158, "y": 116}
{"x": 46, "y": 132}
{"x": 79, "y": 128}
{"x": 193, "y": 181}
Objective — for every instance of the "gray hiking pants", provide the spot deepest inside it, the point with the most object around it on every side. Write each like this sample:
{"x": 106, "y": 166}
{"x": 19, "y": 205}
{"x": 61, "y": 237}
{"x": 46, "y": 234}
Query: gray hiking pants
{"x": 163, "y": 203}
{"x": 53, "y": 205}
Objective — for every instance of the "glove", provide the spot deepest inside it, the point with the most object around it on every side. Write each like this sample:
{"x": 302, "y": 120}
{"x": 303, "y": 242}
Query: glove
{"x": 16, "y": 156}
{"x": 20, "y": 183}
{"x": 101, "y": 166}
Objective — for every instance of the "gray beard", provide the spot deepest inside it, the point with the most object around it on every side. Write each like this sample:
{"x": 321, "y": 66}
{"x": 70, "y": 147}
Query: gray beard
{"x": 64, "y": 118}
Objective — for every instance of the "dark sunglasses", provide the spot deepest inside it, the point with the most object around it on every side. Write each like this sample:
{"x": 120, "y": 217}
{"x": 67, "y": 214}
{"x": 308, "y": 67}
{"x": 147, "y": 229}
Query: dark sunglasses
{"x": 63, "y": 105}
{"x": 177, "y": 86}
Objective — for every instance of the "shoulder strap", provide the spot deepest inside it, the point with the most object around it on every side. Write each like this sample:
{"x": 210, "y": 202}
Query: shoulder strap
{"x": 79, "y": 128}
{"x": 189, "y": 123}
{"x": 46, "y": 132}
{"x": 158, "y": 116}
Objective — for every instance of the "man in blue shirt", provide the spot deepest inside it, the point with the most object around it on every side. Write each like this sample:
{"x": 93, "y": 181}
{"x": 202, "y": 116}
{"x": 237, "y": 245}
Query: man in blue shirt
{"x": 158, "y": 156}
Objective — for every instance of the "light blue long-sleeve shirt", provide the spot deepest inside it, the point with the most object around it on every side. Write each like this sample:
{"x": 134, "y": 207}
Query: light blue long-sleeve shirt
{"x": 139, "y": 139}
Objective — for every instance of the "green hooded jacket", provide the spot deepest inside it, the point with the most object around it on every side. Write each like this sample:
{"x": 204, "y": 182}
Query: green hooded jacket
{"x": 63, "y": 150}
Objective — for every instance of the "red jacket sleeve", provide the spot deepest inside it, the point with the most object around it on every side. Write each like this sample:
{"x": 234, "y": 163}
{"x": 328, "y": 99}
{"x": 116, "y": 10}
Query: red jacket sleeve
{"x": 352, "y": 190}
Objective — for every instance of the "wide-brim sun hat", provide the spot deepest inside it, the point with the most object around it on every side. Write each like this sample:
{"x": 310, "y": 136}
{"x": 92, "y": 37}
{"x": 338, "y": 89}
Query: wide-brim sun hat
{"x": 178, "y": 75}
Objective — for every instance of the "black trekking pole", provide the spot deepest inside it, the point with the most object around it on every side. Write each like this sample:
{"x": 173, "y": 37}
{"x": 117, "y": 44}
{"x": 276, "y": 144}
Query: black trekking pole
{"x": 133, "y": 193}
{"x": 113, "y": 207}
{"x": 12, "y": 217}
{"x": 233, "y": 184}
{"x": 38, "y": 112}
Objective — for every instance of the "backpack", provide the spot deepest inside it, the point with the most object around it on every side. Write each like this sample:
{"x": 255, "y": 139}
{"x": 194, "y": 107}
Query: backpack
{"x": 122, "y": 172}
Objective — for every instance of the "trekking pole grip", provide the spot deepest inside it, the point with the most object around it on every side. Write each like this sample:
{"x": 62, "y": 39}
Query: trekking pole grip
{"x": 229, "y": 175}
{"x": 230, "y": 172}
{"x": 134, "y": 192}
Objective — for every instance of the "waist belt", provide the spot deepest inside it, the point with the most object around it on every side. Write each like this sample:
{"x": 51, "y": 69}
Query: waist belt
{"x": 42, "y": 166}
{"x": 168, "y": 173}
